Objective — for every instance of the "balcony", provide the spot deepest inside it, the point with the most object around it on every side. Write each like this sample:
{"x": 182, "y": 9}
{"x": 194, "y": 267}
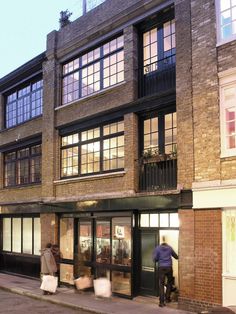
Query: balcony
{"x": 157, "y": 77}
{"x": 158, "y": 174}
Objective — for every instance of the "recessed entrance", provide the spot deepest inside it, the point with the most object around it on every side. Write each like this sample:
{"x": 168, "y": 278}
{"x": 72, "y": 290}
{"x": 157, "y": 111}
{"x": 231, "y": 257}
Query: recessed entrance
{"x": 152, "y": 228}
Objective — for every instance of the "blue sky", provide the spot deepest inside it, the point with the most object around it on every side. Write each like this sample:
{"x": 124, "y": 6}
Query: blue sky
{"x": 24, "y": 25}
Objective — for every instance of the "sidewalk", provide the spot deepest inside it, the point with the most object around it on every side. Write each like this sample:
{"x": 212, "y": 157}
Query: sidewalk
{"x": 68, "y": 296}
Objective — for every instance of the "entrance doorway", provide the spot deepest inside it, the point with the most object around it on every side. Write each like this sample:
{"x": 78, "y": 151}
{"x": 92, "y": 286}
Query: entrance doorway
{"x": 151, "y": 236}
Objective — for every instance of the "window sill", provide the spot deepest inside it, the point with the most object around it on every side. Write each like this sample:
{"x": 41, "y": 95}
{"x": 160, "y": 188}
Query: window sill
{"x": 92, "y": 177}
{"x": 94, "y": 95}
{"x": 226, "y": 41}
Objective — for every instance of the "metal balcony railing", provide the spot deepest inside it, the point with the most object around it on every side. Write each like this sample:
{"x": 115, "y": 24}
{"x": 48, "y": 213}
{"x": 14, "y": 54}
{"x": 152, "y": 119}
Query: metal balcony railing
{"x": 157, "y": 77}
{"x": 158, "y": 175}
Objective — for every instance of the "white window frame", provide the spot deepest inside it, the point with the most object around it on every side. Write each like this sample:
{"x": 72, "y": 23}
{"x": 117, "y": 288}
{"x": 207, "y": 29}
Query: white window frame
{"x": 220, "y": 40}
{"x": 226, "y": 79}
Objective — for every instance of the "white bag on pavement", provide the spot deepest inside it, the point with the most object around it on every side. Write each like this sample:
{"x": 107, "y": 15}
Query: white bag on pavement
{"x": 49, "y": 283}
{"x": 102, "y": 287}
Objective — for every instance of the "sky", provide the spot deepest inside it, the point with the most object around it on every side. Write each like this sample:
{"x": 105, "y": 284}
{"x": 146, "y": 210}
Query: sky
{"x": 24, "y": 25}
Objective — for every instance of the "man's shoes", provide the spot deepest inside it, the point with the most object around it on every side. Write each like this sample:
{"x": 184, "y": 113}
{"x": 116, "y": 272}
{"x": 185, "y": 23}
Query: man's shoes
{"x": 162, "y": 304}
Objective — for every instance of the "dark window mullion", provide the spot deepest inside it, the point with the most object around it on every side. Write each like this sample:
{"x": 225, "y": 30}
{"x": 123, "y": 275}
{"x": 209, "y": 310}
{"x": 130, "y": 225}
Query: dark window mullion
{"x": 101, "y": 67}
{"x": 79, "y": 155}
{"x": 161, "y": 128}
{"x": 101, "y": 150}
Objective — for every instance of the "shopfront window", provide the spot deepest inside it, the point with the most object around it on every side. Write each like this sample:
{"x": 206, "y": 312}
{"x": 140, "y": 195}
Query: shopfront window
{"x": 67, "y": 238}
{"x": 121, "y": 241}
{"x": 6, "y": 234}
{"x": 22, "y": 235}
{"x": 85, "y": 241}
{"x": 103, "y": 246}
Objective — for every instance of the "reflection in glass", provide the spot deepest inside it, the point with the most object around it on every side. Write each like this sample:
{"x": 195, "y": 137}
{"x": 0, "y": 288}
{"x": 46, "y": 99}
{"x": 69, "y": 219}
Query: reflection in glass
{"x": 121, "y": 282}
{"x": 67, "y": 238}
{"x": 6, "y": 234}
{"x": 121, "y": 241}
{"x": 85, "y": 240}
{"x": 103, "y": 246}
{"x": 67, "y": 273}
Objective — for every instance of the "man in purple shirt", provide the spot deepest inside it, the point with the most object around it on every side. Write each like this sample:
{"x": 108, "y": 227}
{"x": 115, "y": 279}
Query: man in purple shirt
{"x": 163, "y": 256}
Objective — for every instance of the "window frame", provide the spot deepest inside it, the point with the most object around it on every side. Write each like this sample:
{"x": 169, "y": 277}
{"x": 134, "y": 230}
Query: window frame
{"x": 226, "y": 79}
{"x": 101, "y": 138}
{"x": 220, "y": 40}
{"x": 20, "y": 113}
{"x": 160, "y": 147}
{"x": 16, "y": 162}
{"x": 22, "y": 217}
{"x": 80, "y": 68}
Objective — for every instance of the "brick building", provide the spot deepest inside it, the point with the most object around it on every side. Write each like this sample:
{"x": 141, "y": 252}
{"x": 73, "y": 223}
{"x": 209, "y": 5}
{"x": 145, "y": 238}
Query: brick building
{"x": 121, "y": 132}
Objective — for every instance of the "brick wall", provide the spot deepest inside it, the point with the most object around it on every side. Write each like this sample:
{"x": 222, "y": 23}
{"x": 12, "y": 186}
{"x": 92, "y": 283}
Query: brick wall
{"x": 184, "y": 93}
{"x": 205, "y": 92}
{"x": 49, "y": 229}
{"x": 200, "y": 252}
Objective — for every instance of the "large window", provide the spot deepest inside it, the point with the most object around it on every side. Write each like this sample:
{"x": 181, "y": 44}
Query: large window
{"x": 93, "y": 71}
{"x": 95, "y": 150}
{"x": 22, "y": 235}
{"x": 159, "y": 47}
{"x": 159, "y": 134}
{"x": 226, "y": 20}
{"x": 228, "y": 114}
{"x": 24, "y": 104}
{"x": 23, "y": 166}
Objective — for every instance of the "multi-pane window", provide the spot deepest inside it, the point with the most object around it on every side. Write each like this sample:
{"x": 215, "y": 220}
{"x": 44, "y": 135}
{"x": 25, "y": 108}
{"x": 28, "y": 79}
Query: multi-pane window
{"x": 22, "y": 235}
{"x": 228, "y": 116}
{"x": 93, "y": 151}
{"x": 226, "y": 17}
{"x": 159, "y": 46}
{"x": 159, "y": 134}
{"x": 23, "y": 166}
{"x": 93, "y": 71}
{"x": 24, "y": 104}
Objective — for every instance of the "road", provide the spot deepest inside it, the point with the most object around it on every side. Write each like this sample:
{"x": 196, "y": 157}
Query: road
{"x": 14, "y": 303}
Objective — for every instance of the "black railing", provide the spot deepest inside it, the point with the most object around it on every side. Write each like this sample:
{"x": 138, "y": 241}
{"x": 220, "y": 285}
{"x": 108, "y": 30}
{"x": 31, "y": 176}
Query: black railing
{"x": 158, "y": 175}
{"x": 157, "y": 77}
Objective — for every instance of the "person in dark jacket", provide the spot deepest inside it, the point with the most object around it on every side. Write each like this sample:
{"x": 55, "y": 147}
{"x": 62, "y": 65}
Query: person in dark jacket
{"x": 163, "y": 256}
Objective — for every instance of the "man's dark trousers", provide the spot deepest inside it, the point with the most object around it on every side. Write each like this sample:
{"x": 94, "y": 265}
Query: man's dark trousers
{"x": 163, "y": 273}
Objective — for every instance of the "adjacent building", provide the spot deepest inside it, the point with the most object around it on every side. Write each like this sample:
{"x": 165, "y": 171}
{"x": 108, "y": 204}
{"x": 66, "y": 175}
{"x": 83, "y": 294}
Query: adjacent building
{"x": 121, "y": 132}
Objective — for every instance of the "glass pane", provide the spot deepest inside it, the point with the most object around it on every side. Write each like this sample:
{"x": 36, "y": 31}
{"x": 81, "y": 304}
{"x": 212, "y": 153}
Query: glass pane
{"x": 37, "y": 236}
{"x": 27, "y": 235}
{"x": 224, "y": 4}
{"x": 16, "y": 235}
{"x": 67, "y": 238}
{"x": 154, "y": 220}
{"x": 103, "y": 246}
{"x": 144, "y": 220}
{"x": 164, "y": 220}
{"x": 67, "y": 273}
{"x": 6, "y": 234}
{"x": 121, "y": 282}
{"x": 174, "y": 220}
{"x": 85, "y": 241}
{"x": 230, "y": 241}
{"x": 121, "y": 241}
